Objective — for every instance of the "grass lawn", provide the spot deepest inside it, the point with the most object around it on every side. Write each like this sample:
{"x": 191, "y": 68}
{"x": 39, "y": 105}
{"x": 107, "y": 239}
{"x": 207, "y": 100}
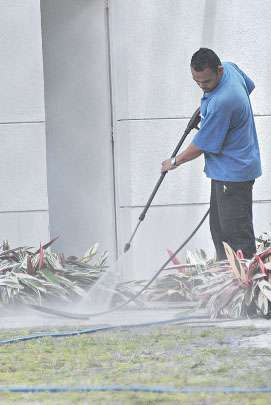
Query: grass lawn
{"x": 176, "y": 356}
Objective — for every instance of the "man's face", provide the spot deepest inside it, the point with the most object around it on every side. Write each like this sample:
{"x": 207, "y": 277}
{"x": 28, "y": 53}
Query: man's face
{"x": 207, "y": 79}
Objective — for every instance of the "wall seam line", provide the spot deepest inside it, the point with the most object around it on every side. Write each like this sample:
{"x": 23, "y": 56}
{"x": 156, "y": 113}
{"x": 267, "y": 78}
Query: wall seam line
{"x": 21, "y": 211}
{"x": 184, "y": 204}
{"x": 172, "y": 118}
{"x": 21, "y": 122}
{"x": 111, "y": 122}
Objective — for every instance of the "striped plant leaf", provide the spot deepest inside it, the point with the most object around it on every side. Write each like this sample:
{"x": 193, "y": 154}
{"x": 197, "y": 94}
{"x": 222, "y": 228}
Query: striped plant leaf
{"x": 30, "y": 275}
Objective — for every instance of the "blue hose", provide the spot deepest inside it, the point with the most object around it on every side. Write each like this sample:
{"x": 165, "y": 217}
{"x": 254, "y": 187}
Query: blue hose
{"x": 184, "y": 319}
{"x": 137, "y": 388}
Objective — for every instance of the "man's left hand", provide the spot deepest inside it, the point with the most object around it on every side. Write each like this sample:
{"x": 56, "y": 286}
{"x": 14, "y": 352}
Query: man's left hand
{"x": 166, "y": 166}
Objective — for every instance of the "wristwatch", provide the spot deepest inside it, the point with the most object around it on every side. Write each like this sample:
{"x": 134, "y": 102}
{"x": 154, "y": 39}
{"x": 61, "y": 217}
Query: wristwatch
{"x": 173, "y": 161}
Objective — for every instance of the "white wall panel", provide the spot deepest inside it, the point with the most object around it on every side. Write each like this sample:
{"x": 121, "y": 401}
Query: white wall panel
{"x": 153, "y": 42}
{"x": 141, "y": 147}
{"x": 262, "y": 217}
{"x": 24, "y": 228}
{"x": 21, "y": 71}
{"x": 23, "y": 167}
{"x": 262, "y": 189}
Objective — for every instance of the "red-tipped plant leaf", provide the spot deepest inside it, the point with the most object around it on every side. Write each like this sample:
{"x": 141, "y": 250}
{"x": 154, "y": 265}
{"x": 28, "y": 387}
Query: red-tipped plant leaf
{"x": 46, "y": 245}
{"x": 30, "y": 268}
{"x": 41, "y": 259}
{"x": 174, "y": 260}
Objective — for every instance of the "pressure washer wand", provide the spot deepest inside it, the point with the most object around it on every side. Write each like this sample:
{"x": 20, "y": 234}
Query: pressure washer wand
{"x": 193, "y": 123}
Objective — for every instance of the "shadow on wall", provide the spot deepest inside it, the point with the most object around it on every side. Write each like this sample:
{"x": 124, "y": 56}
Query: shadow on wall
{"x": 209, "y": 23}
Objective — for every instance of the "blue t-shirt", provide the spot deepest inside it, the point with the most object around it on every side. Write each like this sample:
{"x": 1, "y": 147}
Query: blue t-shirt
{"x": 227, "y": 133}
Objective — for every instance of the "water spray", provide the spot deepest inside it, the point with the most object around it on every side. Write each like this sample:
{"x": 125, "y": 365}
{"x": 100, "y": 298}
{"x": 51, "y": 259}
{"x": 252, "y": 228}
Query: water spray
{"x": 192, "y": 124}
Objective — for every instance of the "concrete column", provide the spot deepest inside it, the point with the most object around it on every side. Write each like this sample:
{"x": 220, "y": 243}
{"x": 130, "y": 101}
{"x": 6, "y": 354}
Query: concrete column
{"x": 78, "y": 125}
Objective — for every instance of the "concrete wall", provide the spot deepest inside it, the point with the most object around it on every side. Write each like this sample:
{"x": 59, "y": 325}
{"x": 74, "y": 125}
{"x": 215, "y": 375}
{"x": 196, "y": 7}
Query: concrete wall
{"x": 153, "y": 95}
{"x": 23, "y": 203}
{"x": 78, "y": 124}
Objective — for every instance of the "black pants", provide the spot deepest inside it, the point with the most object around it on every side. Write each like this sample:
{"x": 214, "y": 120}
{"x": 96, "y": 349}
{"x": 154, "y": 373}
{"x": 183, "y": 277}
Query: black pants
{"x": 231, "y": 217}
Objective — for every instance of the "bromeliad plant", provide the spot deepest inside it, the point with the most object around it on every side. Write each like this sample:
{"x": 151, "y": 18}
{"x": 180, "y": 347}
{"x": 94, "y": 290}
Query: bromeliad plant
{"x": 29, "y": 275}
{"x": 244, "y": 289}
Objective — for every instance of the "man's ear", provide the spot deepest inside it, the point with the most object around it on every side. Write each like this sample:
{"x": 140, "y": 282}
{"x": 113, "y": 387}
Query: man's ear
{"x": 220, "y": 70}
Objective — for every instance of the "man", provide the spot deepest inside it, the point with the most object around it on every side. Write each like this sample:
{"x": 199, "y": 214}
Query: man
{"x": 228, "y": 139}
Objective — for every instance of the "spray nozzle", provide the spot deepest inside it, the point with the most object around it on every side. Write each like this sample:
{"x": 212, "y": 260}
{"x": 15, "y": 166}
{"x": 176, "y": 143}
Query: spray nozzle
{"x": 127, "y": 247}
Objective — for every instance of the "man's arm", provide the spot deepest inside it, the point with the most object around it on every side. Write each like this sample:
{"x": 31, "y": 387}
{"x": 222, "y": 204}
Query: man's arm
{"x": 190, "y": 153}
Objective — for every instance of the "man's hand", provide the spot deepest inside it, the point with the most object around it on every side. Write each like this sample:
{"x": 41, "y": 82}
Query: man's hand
{"x": 167, "y": 165}
{"x": 190, "y": 153}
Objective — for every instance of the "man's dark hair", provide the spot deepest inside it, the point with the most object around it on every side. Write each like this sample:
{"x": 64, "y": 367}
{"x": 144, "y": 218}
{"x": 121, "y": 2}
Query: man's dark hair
{"x": 205, "y": 58}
